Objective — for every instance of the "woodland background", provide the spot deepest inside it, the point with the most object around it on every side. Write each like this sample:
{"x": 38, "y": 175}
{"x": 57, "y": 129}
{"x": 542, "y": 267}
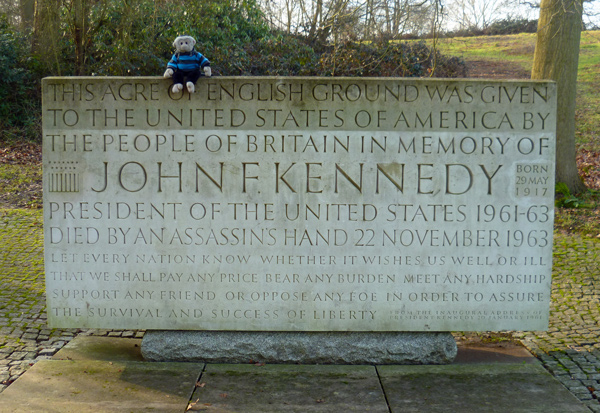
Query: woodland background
{"x": 41, "y": 38}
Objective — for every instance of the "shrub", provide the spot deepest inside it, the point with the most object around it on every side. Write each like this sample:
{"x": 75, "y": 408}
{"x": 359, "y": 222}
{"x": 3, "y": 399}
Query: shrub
{"x": 508, "y": 25}
{"x": 275, "y": 55}
{"x": 135, "y": 39}
{"x": 511, "y": 26}
{"x": 414, "y": 59}
{"x": 19, "y": 96}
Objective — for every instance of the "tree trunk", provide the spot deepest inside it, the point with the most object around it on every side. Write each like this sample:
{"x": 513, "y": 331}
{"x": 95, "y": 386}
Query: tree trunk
{"x": 314, "y": 23}
{"x": 47, "y": 35}
{"x": 27, "y": 11}
{"x": 79, "y": 30}
{"x": 556, "y": 57}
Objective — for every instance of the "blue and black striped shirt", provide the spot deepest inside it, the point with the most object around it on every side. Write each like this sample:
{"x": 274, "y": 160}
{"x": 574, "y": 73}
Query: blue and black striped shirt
{"x": 188, "y": 61}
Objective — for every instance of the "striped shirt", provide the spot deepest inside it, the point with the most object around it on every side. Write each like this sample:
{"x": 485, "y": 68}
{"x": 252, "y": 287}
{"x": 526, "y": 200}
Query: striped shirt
{"x": 188, "y": 61}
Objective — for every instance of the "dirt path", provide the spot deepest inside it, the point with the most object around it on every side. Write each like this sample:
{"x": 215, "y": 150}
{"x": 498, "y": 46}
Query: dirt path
{"x": 490, "y": 69}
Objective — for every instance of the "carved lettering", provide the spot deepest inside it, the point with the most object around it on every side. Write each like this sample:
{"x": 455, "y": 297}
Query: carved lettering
{"x": 298, "y": 204}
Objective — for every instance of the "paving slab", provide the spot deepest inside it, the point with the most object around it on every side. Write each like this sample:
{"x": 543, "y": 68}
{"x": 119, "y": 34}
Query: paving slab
{"x": 288, "y": 388}
{"x": 476, "y": 387}
{"x": 101, "y": 348}
{"x": 102, "y": 386}
{"x": 102, "y": 374}
{"x": 505, "y": 352}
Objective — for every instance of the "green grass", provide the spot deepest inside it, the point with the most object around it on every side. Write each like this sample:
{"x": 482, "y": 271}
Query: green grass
{"x": 519, "y": 48}
{"x": 20, "y": 185}
{"x": 516, "y": 48}
{"x": 583, "y": 221}
{"x": 589, "y": 57}
{"x": 587, "y": 117}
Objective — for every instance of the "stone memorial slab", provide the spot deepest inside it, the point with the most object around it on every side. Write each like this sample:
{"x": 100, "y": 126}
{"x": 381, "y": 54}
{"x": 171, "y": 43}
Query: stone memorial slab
{"x": 299, "y": 204}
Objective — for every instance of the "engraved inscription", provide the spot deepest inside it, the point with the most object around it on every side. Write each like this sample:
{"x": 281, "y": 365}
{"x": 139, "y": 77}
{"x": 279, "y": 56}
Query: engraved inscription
{"x": 298, "y": 204}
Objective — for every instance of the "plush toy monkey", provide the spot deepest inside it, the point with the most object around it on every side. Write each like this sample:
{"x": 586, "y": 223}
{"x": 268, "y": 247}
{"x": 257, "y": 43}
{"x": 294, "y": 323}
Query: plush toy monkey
{"x": 185, "y": 65}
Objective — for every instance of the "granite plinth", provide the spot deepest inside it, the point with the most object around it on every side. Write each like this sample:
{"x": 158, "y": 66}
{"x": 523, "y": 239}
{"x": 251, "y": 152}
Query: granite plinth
{"x": 295, "y": 347}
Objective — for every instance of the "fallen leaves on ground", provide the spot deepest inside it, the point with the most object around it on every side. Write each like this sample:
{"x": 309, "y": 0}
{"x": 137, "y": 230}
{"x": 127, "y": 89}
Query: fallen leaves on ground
{"x": 21, "y": 154}
{"x": 588, "y": 163}
{"x": 193, "y": 406}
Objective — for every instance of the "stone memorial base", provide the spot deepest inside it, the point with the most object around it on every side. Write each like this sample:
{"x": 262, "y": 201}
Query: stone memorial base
{"x": 299, "y": 347}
